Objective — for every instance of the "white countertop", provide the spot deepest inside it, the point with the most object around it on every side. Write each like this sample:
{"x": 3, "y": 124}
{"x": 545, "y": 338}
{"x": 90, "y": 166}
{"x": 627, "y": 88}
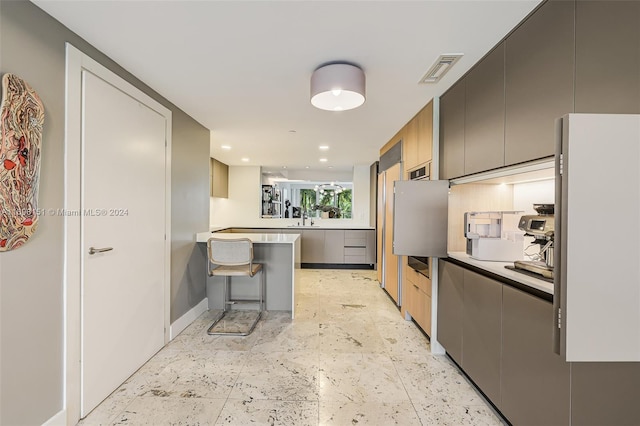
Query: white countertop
{"x": 498, "y": 268}
{"x": 202, "y": 237}
{"x": 295, "y": 227}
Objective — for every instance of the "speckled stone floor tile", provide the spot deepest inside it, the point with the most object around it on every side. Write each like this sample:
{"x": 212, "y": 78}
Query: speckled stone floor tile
{"x": 348, "y": 358}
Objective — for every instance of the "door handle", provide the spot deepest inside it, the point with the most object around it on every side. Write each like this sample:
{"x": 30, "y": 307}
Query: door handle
{"x": 99, "y": 250}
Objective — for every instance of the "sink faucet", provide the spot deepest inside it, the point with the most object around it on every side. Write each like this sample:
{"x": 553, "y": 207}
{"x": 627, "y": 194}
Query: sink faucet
{"x": 304, "y": 217}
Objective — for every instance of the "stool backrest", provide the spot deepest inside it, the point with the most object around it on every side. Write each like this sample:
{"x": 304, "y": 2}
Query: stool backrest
{"x": 230, "y": 252}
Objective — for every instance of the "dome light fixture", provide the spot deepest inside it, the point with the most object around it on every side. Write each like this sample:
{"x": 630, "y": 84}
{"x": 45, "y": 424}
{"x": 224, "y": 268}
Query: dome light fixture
{"x": 337, "y": 87}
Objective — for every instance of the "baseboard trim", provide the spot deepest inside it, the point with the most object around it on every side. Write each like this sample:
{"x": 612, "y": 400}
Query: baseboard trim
{"x": 60, "y": 419}
{"x": 186, "y": 319}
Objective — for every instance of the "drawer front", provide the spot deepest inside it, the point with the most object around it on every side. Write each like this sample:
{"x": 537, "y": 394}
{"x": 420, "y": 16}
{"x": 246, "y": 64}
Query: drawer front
{"x": 419, "y": 306}
{"x": 354, "y": 259}
{"x": 356, "y": 235}
{"x": 355, "y": 242}
{"x": 418, "y": 279}
{"x": 355, "y": 251}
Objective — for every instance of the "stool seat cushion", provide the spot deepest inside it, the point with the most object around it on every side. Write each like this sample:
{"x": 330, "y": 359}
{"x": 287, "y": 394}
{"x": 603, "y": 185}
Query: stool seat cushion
{"x": 236, "y": 270}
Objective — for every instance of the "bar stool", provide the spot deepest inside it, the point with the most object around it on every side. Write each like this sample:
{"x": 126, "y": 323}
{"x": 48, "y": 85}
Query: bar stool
{"x": 234, "y": 257}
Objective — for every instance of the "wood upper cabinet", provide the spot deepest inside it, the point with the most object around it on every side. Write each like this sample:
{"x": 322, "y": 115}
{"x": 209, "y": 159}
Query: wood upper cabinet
{"x": 608, "y": 57}
{"x": 418, "y": 139}
{"x": 484, "y": 114}
{"x": 219, "y": 179}
{"x": 425, "y": 134}
{"x": 452, "y": 120}
{"x": 410, "y": 144}
{"x": 539, "y": 76}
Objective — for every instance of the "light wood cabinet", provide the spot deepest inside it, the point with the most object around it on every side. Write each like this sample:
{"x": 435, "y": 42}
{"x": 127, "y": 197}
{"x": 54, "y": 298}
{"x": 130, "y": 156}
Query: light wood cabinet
{"x": 484, "y": 114}
{"x": 410, "y": 144}
{"x": 219, "y": 179}
{"x": 416, "y": 297}
{"x": 425, "y": 134}
{"x": 608, "y": 57}
{"x": 452, "y": 119}
{"x": 539, "y": 81}
{"x": 391, "y": 283}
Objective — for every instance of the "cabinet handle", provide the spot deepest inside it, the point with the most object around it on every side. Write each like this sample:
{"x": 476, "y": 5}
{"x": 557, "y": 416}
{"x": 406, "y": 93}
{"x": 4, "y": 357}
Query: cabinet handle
{"x": 93, "y": 250}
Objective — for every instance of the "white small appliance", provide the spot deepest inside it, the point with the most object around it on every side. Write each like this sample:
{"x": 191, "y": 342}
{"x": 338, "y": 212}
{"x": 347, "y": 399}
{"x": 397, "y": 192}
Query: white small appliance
{"x": 494, "y": 236}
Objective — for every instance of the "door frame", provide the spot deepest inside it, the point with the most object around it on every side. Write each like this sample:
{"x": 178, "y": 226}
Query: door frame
{"x": 76, "y": 63}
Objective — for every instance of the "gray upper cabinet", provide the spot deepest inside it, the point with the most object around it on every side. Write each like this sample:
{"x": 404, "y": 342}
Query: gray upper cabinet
{"x": 608, "y": 57}
{"x": 533, "y": 376}
{"x": 452, "y": 132}
{"x": 539, "y": 76}
{"x": 484, "y": 114}
{"x": 482, "y": 332}
{"x": 450, "y": 306}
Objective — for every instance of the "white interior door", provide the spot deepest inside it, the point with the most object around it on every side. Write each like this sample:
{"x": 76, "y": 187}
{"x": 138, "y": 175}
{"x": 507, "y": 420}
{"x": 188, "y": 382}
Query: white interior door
{"x": 122, "y": 212}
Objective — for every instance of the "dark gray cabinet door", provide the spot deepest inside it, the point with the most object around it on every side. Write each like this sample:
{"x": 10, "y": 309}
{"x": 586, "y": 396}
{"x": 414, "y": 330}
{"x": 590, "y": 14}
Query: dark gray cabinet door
{"x": 605, "y": 393}
{"x": 484, "y": 114}
{"x": 452, "y": 132}
{"x": 608, "y": 57}
{"x": 534, "y": 380}
{"x": 481, "y": 332}
{"x": 450, "y": 305}
{"x": 539, "y": 75}
{"x": 333, "y": 246}
{"x": 312, "y": 246}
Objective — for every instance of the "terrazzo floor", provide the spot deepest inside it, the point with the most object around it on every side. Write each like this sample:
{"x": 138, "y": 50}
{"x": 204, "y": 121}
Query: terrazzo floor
{"x": 348, "y": 358}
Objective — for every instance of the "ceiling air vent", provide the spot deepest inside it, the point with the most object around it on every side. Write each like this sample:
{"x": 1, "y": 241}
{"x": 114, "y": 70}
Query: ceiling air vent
{"x": 440, "y": 68}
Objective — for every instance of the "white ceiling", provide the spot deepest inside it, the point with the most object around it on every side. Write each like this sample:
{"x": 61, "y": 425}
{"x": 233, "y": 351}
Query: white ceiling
{"x": 242, "y": 68}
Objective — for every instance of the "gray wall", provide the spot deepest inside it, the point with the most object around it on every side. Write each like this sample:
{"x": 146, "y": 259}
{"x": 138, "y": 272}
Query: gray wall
{"x": 32, "y": 45}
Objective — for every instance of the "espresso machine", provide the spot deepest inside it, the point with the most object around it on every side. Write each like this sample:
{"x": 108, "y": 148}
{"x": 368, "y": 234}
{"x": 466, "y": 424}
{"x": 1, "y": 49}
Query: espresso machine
{"x": 541, "y": 228}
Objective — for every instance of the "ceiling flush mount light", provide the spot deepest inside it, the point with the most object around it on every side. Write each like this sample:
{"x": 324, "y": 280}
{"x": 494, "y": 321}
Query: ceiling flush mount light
{"x": 442, "y": 65}
{"x": 337, "y": 87}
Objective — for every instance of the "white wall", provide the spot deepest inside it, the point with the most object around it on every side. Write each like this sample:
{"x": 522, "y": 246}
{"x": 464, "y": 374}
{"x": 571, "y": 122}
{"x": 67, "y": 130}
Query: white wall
{"x": 525, "y": 195}
{"x": 242, "y": 208}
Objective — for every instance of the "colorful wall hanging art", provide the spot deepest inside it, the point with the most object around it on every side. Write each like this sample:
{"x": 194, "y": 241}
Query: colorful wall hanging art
{"x": 21, "y": 122}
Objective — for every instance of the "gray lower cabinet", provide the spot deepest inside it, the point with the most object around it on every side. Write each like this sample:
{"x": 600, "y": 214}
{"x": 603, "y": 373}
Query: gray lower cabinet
{"x": 484, "y": 114}
{"x": 534, "y": 379}
{"x": 450, "y": 307}
{"x": 312, "y": 247}
{"x": 452, "y": 107}
{"x": 334, "y": 246}
{"x": 370, "y": 253}
{"x": 608, "y": 57}
{"x": 605, "y": 393}
{"x": 539, "y": 75}
{"x": 481, "y": 332}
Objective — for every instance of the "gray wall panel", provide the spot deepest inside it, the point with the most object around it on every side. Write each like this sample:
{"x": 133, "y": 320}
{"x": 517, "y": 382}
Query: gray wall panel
{"x": 32, "y": 45}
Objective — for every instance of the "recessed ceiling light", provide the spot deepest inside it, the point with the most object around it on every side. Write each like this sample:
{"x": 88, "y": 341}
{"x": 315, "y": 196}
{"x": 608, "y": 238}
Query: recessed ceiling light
{"x": 323, "y": 147}
{"x": 284, "y": 167}
{"x": 227, "y": 147}
{"x": 245, "y": 159}
{"x": 331, "y": 167}
{"x": 323, "y": 160}
{"x": 306, "y": 167}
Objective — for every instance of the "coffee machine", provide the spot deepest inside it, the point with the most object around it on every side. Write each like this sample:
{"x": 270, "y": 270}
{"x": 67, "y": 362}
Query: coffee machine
{"x": 494, "y": 236}
{"x": 541, "y": 228}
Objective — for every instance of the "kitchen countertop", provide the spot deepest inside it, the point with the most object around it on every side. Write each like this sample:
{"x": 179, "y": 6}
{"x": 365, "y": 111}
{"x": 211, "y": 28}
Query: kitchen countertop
{"x": 295, "y": 227}
{"x": 498, "y": 268}
{"x": 202, "y": 237}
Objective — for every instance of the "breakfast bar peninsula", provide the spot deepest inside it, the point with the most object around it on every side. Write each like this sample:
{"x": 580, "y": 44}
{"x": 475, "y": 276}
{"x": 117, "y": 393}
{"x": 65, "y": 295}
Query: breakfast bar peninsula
{"x": 280, "y": 256}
